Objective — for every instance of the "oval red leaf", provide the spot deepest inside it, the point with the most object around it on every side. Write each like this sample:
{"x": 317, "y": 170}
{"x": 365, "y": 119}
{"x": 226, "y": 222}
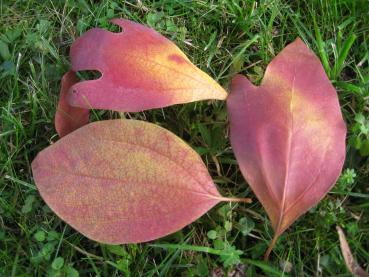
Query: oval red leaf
{"x": 288, "y": 134}
{"x": 140, "y": 70}
{"x": 124, "y": 181}
{"x": 68, "y": 118}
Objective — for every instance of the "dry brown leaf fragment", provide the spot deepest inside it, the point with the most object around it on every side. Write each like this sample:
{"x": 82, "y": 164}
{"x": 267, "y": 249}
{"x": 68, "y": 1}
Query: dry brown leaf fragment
{"x": 351, "y": 263}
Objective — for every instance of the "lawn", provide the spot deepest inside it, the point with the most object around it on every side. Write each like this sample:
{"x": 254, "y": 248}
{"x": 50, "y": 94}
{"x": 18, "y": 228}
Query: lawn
{"x": 222, "y": 38}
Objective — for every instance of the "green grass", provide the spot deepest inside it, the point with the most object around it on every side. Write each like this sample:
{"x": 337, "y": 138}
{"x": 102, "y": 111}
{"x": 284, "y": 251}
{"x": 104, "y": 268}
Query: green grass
{"x": 222, "y": 38}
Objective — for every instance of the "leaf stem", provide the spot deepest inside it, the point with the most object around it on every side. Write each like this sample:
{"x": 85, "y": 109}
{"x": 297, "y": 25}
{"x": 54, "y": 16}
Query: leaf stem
{"x": 270, "y": 247}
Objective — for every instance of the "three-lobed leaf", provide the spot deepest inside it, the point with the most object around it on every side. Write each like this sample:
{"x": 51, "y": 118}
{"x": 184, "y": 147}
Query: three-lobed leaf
{"x": 140, "y": 70}
{"x": 288, "y": 134}
{"x": 124, "y": 181}
{"x": 67, "y": 117}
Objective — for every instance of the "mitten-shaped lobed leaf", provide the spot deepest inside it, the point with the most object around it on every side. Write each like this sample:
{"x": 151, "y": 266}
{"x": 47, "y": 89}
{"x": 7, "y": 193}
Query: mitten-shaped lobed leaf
{"x": 140, "y": 69}
{"x": 124, "y": 181}
{"x": 288, "y": 134}
{"x": 69, "y": 118}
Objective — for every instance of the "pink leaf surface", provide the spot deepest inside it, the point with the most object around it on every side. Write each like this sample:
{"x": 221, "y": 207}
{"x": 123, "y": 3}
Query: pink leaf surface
{"x": 140, "y": 70}
{"x": 68, "y": 118}
{"x": 124, "y": 181}
{"x": 288, "y": 134}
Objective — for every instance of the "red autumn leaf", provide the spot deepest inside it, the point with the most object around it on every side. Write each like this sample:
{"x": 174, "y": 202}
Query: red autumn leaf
{"x": 288, "y": 134}
{"x": 124, "y": 181}
{"x": 68, "y": 118}
{"x": 140, "y": 70}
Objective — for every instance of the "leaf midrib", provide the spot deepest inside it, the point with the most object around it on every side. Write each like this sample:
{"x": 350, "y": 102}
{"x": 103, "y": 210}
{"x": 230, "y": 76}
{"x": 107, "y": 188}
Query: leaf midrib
{"x": 289, "y": 151}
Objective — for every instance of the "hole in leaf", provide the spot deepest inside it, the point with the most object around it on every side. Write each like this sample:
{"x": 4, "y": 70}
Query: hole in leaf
{"x": 88, "y": 75}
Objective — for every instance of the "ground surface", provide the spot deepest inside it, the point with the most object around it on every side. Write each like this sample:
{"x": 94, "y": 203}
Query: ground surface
{"x": 222, "y": 38}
